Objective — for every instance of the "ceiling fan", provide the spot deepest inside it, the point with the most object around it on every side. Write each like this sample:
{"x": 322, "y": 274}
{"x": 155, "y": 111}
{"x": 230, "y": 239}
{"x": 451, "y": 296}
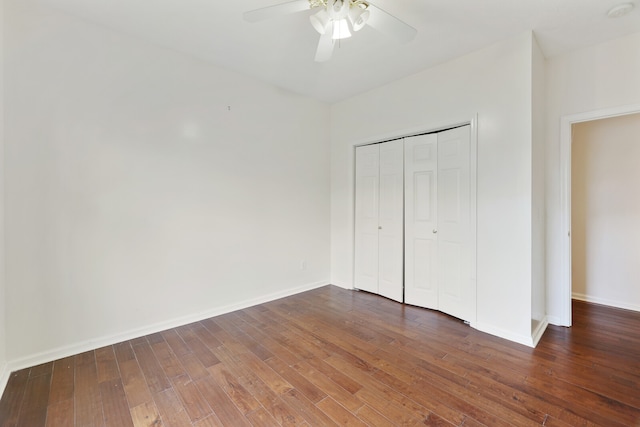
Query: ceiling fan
{"x": 335, "y": 19}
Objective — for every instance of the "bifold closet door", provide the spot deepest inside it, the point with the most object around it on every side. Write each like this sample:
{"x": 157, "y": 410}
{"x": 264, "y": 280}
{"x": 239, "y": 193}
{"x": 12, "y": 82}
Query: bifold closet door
{"x": 379, "y": 215}
{"x": 437, "y": 223}
{"x": 366, "y": 217}
{"x": 421, "y": 221}
{"x": 456, "y": 293}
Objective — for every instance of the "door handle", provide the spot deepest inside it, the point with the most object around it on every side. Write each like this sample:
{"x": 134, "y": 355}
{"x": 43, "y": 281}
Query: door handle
{"x": 435, "y": 230}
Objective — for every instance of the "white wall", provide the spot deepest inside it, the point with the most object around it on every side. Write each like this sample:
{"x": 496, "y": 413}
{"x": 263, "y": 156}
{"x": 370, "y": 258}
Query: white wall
{"x": 538, "y": 283}
{"x": 605, "y": 211}
{"x": 494, "y": 83}
{"x": 3, "y": 355}
{"x": 135, "y": 199}
{"x": 603, "y": 76}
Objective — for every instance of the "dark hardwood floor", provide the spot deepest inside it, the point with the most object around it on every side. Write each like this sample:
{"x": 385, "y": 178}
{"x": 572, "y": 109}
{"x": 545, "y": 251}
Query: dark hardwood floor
{"x": 336, "y": 357}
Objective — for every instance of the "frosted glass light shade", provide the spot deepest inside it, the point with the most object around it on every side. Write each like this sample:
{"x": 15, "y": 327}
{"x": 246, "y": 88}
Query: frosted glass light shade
{"x": 320, "y": 21}
{"x": 340, "y": 29}
{"x": 358, "y": 17}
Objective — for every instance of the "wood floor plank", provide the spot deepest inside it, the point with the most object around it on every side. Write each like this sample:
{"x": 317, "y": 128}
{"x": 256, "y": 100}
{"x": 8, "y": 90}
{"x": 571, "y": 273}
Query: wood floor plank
{"x": 155, "y": 376}
{"x": 330, "y": 356}
{"x": 43, "y": 369}
{"x": 13, "y": 397}
{"x": 268, "y": 345}
{"x": 134, "y": 383}
{"x": 32, "y": 417}
{"x": 398, "y": 407}
{"x": 139, "y": 340}
{"x": 246, "y": 333}
{"x": 155, "y": 338}
{"x": 193, "y": 366}
{"x": 372, "y": 417}
{"x": 206, "y": 336}
{"x": 227, "y": 339}
{"x": 171, "y": 409}
{"x": 201, "y": 351}
{"x": 106, "y": 364}
{"x": 62, "y": 381}
{"x": 261, "y": 418}
{"x": 338, "y": 377}
{"x": 270, "y": 377}
{"x": 310, "y": 412}
{"x": 210, "y": 421}
{"x": 192, "y": 400}
{"x": 169, "y": 362}
{"x": 88, "y": 402}
{"x": 243, "y": 400}
{"x": 330, "y": 388}
{"x": 176, "y": 343}
{"x": 299, "y": 382}
{"x": 222, "y": 406}
{"x": 124, "y": 351}
{"x": 146, "y": 415}
{"x": 597, "y": 408}
{"x": 339, "y": 414}
{"x": 458, "y": 398}
{"x": 114, "y": 403}
{"x": 61, "y": 413}
{"x": 270, "y": 400}
{"x": 36, "y": 398}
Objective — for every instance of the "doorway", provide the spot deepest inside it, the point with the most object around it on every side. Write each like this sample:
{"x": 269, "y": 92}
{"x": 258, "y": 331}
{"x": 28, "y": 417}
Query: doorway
{"x": 565, "y": 289}
{"x": 605, "y": 211}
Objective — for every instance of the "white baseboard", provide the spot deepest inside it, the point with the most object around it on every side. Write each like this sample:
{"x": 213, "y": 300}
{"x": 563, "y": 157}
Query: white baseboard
{"x": 605, "y": 301}
{"x": 343, "y": 285}
{"x": 556, "y": 320}
{"x": 4, "y": 376}
{"x": 501, "y": 333}
{"x": 98, "y": 342}
{"x": 539, "y": 331}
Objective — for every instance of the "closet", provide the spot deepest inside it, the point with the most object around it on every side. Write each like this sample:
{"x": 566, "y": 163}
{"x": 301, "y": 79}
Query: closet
{"x": 413, "y": 221}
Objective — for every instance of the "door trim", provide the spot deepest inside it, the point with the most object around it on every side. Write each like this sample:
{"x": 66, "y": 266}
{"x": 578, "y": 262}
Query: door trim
{"x": 563, "y": 291}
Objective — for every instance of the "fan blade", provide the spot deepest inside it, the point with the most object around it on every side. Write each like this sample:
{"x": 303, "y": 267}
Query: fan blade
{"x": 325, "y": 47}
{"x": 390, "y": 25}
{"x": 276, "y": 10}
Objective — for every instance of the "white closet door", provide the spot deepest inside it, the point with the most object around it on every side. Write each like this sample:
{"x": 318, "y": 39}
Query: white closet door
{"x": 366, "y": 218}
{"x": 438, "y": 223}
{"x": 456, "y": 293}
{"x": 421, "y": 221}
{"x": 390, "y": 223}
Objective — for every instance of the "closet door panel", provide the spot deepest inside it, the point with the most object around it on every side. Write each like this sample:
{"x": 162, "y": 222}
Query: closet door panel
{"x": 391, "y": 222}
{"x": 454, "y": 280}
{"x": 366, "y": 218}
{"x": 421, "y": 219}
{"x": 450, "y": 254}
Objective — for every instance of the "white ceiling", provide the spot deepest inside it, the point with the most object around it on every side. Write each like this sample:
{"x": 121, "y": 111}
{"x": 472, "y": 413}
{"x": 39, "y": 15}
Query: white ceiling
{"x": 281, "y": 50}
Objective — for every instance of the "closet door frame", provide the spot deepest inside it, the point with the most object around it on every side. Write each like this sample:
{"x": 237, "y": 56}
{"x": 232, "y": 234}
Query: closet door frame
{"x": 473, "y": 193}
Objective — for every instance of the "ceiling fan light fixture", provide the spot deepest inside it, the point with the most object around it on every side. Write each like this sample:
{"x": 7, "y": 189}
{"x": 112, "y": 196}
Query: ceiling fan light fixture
{"x": 340, "y": 29}
{"x": 358, "y": 17}
{"x": 320, "y": 21}
{"x": 337, "y": 19}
